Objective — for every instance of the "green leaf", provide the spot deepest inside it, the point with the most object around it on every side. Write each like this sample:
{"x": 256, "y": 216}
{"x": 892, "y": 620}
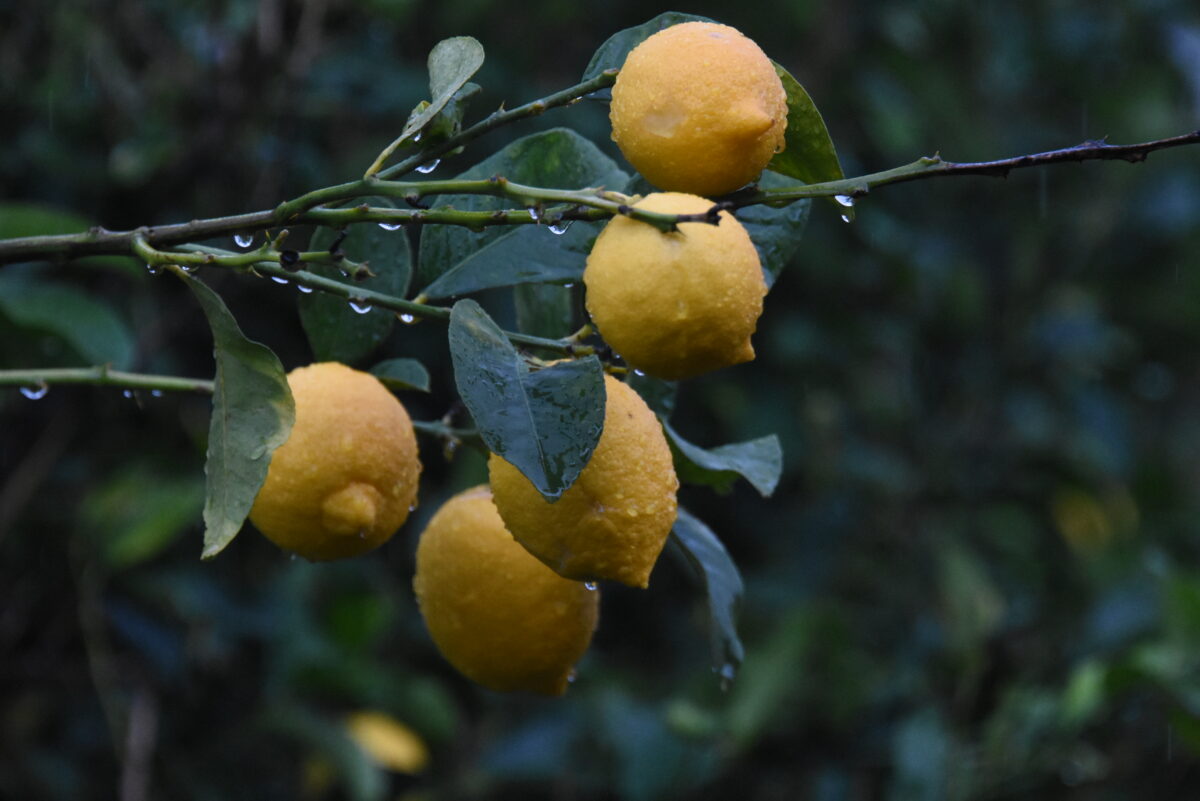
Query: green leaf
{"x": 759, "y": 461}
{"x": 776, "y": 232}
{"x": 335, "y": 331}
{"x": 611, "y": 54}
{"x": 91, "y": 328}
{"x": 545, "y": 422}
{"x": 252, "y": 415}
{"x": 809, "y": 154}
{"x": 544, "y": 310}
{"x": 402, "y": 374}
{"x": 528, "y": 254}
{"x": 557, "y": 159}
{"x": 714, "y": 569}
{"x": 659, "y": 394}
{"x": 452, "y": 62}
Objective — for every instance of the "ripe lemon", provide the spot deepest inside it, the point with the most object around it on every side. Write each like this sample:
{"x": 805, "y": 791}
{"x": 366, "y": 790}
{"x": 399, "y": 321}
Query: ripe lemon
{"x": 499, "y": 616}
{"x": 698, "y": 108}
{"x": 676, "y": 304}
{"x": 347, "y": 475}
{"x": 614, "y": 520}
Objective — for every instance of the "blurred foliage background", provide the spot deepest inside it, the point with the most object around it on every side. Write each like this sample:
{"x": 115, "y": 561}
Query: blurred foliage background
{"x": 979, "y": 578}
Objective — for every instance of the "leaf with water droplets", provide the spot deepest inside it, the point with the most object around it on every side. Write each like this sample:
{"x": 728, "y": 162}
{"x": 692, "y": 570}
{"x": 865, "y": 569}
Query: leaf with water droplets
{"x": 759, "y": 461}
{"x": 558, "y": 159}
{"x": 809, "y": 154}
{"x": 252, "y": 415}
{"x": 711, "y": 565}
{"x": 611, "y": 55}
{"x": 451, "y": 63}
{"x": 545, "y": 422}
{"x": 402, "y": 374}
{"x": 335, "y": 331}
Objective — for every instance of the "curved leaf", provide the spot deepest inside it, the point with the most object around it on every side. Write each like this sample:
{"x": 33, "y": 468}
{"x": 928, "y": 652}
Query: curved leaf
{"x": 809, "y": 154}
{"x": 759, "y": 461}
{"x": 336, "y": 332}
{"x": 252, "y": 415}
{"x": 558, "y": 159}
{"x": 611, "y": 54}
{"x": 452, "y": 62}
{"x": 545, "y": 422}
{"x": 402, "y": 374}
{"x": 711, "y": 564}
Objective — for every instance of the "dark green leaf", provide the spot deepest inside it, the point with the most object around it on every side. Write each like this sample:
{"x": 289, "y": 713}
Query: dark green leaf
{"x": 252, "y": 415}
{"x": 776, "y": 232}
{"x": 809, "y": 154}
{"x": 527, "y": 254}
{"x": 545, "y": 422}
{"x": 658, "y": 393}
{"x": 759, "y": 461}
{"x": 452, "y": 62}
{"x": 611, "y": 54}
{"x": 558, "y": 159}
{"x": 545, "y": 310}
{"x": 402, "y": 374}
{"x": 90, "y": 327}
{"x": 335, "y": 331}
{"x": 716, "y": 571}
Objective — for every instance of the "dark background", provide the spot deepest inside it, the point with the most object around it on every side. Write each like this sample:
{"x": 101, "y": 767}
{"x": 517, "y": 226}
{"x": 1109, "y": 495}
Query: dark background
{"x": 978, "y": 578}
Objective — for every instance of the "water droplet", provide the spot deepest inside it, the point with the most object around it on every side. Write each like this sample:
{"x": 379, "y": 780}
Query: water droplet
{"x": 560, "y": 227}
{"x": 417, "y": 136}
{"x": 572, "y": 676}
{"x": 360, "y": 306}
{"x": 279, "y": 279}
{"x": 844, "y": 200}
{"x": 429, "y": 166}
{"x": 156, "y": 393}
{"x": 412, "y": 507}
{"x": 533, "y": 213}
{"x": 846, "y": 218}
{"x": 243, "y": 240}
{"x": 153, "y": 269}
{"x": 407, "y": 319}
{"x": 127, "y": 393}
{"x": 305, "y": 289}
{"x": 35, "y": 393}
{"x": 589, "y": 586}
{"x": 571, "y": 285}
{"x": 292, "y": 558}
{"x": 189, "y": 268}
{"x": 391, "y": 226}
{"x": 639, "y": 373}
{"x": 727, "y": 673}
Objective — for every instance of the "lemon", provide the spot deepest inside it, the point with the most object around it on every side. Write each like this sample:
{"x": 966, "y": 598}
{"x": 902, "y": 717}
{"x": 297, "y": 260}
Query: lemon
{"x": 500, "y": 617}
{"x": 676, "y": 304}
{"x": 614, "y": 520}
{"x": 698, "y": 108}
{"x": 347, "y": 475}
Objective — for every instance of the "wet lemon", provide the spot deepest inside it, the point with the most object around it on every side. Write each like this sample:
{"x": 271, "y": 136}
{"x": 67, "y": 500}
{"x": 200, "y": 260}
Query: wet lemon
{"x": 614, "y": 520}
{"x": 498, "y": 615}
{"x": 676, "y": 304}
{"x": 346, "y": 477}
{"x": 698, "y": 108}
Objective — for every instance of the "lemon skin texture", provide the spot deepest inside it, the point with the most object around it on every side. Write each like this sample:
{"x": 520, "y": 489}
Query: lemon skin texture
{"x": 676, "y": 304}
{"x": 347, "y": 476}
{"x": 613, "y": 521}
{"x": 698, "y": 108}
{"x": 499, "y": 616}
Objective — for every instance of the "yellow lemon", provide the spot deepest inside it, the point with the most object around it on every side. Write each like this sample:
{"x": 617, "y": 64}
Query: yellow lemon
{"x": 676, "y": 304}
{"x": 698, "y": 108}
{"x": 500, "y": 617}
{"x": 347, "y": 475}
{"x": 614, "y": 520}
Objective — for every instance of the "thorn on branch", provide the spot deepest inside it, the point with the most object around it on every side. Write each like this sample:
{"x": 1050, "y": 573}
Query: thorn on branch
{"x": 335, "y": 249}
